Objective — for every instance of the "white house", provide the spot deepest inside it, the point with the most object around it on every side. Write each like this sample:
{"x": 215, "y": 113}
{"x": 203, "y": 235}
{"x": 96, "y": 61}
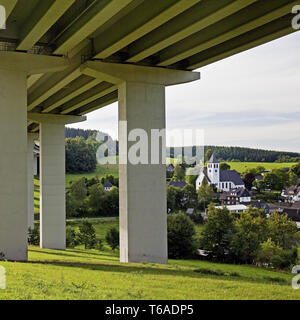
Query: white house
{"x": 292, "y": 194}
{"x": 224, "y": 180}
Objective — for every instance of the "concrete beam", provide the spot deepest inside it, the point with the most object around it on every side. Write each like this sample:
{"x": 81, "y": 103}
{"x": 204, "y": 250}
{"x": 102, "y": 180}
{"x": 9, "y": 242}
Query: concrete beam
{"x": 9, "y": 6}
{"x": 188, "y": 48}
{"x": 31, "y": 80}
{"x": 90, "y": 20}
{"x": 89, "y": 96}
{"x": 99, "y": 103}
{"x": 79, "y": 86}
{"x": 44, "y": 16}
{"x": 55, "y": 83}
{"x": 118, "y": 73}
{"x": 136, "y": 24}
{"x": 31, "y": 63}
{"x": 195, "y": 62}
{"x": 188, "y": 23}
{"x": 54, "y": 118}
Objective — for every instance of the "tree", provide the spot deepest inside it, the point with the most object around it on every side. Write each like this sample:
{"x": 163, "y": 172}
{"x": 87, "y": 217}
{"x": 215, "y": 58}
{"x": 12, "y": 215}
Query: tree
{"x": 282, "y": 230}
{"x": 249, "y": 178}
{"x": 181, "y": 232}
{"x": 189, "y": 196}
{"x": 71, "y": 237}
{"x": 87, "y": 235}
{"x": 95, "y": 199}
{"x": 34, "y": 236}
{"x": 76, "y": 199}
{"x": 224, "y": 166}
{"x": 179, "y": 173}
{"x": 296, "y": 169}
{"x": 217, "y": 233}
{"x": 205, "y": 193}
{"x": 171, "y": 197}
{"x": 80, "y": 156}
{"x": 277, "y": 179}
{"x": 250, "y": 231}
{"x": 208, "y": 154}
{"x": 113, "y": 238}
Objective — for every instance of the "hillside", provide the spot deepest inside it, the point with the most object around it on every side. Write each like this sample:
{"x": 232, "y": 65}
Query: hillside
{"x": 224, "y": 153}
{"x": 52, "y": 274}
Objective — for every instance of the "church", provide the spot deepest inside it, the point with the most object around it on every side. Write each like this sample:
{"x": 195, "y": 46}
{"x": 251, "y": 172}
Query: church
{"x": 224, "y": 180}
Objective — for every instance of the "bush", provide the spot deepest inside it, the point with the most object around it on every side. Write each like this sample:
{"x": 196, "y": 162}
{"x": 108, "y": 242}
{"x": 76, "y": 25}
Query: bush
{"x": 113, "y": 238}
{"x": 196, "y": 218}
{"x": 71, "y": 237}
{"x": 272, "y": 254}
{"x": 87, "y": 235}
{"x": 100, "y": 245}
{"x": 181, "y": 232}
{"x": 34, "y": 236}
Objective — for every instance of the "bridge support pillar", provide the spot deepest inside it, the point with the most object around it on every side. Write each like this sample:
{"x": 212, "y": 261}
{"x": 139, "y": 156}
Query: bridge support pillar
{"x": 13, "y": 165}
{"x": 30, "y": 172}
{"x": 142, "y": 183}
{"x": 52, "y": 178}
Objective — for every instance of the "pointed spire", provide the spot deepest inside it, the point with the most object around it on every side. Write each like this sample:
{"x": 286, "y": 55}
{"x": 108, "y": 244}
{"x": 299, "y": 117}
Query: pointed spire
{"x": 213, "y": 159}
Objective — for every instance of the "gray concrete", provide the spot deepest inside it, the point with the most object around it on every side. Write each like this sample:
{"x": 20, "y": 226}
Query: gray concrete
{"x": 143, "y": 201}
{"x": 52, "y": 178}
{"x": 143, "y": 205}
{"x": 13, "y": 165}
{"x": 52, "y": 186}
{"x": 30, "y": 173}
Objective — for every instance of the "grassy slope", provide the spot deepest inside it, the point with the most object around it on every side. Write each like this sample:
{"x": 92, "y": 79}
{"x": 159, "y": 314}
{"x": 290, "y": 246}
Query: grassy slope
{"x": 243, "y": 166}
{"x": 80, "y": 274}
{"x": 90, "y": 274}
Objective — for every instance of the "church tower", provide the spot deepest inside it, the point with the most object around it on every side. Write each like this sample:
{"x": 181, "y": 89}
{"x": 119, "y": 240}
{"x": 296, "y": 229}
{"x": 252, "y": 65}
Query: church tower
{"x": 213, "y": 170}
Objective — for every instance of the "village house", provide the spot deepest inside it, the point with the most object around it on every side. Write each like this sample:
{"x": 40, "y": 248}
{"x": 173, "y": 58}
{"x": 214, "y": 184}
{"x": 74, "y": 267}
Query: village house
{"x": 224, "y": 180}
{"x": 178, "y": 184}
{"x": 235, "y": 196}
{"x": 107, "y": 185}
{"x": 291, "y": 194}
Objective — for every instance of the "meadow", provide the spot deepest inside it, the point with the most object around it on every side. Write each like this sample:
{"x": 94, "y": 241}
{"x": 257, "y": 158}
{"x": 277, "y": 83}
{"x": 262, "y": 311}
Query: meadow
{"x": 91, "y": 274}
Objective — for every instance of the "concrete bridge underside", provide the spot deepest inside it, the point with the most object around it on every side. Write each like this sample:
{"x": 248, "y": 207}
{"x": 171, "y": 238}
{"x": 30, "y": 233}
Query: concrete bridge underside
{"x": 60, "y": 60}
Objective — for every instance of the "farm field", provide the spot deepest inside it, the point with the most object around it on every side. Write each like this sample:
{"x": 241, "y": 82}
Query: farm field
{"x": 243, "y": 166}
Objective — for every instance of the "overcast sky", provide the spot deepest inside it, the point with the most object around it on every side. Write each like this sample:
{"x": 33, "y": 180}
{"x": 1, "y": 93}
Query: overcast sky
{"x": 251, "y": 99}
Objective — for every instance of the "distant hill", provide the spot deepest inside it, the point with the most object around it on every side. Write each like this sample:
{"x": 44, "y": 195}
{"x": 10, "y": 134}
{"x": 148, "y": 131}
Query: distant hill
{"x": 241, "y": 154}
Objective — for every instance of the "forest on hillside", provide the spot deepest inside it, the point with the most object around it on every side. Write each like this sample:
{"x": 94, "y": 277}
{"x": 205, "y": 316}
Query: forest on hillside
{"x": 223, "y": 153}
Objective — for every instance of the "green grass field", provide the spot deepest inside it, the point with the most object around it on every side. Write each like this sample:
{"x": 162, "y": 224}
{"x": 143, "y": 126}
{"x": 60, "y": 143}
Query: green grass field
{"x": 90, "y": 274}
{"x": 243, "y": 166}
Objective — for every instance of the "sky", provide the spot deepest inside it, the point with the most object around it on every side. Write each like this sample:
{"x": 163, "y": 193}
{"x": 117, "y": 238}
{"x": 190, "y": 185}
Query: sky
{"x": 251, "y": 99}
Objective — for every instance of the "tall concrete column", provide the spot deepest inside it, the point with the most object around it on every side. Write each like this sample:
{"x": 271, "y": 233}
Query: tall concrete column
{"x": 30, "y": 173}
{"x": 14, "y": 69}
{"x": 52, "y": 178}
{"x": 52, "y": 186}
{"x": 143, "y": 203}
{"x": 13, "y": 165}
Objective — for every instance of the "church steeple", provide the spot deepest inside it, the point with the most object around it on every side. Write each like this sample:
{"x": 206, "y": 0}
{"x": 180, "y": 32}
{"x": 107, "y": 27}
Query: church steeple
{"x": 213, "y": 170}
